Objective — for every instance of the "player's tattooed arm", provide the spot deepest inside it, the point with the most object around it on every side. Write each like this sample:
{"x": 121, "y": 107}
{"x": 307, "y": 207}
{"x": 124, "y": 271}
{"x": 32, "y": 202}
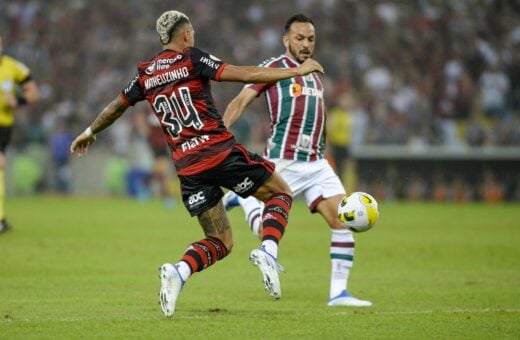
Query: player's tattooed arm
{"x": 111, "y": 113}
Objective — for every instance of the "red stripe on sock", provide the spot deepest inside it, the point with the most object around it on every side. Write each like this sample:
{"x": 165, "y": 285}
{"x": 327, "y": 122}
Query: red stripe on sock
{"x": 282, "y": 200}
{"x": 220, "y": 249}
{"x": 212, "y": 250}
{"x": 275, "y": 216}
{"x": 191, "y": 262}
{"x": 270, "y": 231}
{"x": 209, "y": 251}
{"x": 280, "y": 219}
{"x": 203, "y": 256}
{"x": 343, "y": 244}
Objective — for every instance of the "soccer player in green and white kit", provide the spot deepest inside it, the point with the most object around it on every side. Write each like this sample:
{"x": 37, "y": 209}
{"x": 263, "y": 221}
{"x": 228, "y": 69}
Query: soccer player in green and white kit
{"x": 296, "y": 146}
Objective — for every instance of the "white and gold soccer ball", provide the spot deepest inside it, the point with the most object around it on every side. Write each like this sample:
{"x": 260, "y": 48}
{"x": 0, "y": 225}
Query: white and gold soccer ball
{"x": 358, "y": 211}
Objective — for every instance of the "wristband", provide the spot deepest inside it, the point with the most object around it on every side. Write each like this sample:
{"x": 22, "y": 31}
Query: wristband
{"x": 88, "y": 132}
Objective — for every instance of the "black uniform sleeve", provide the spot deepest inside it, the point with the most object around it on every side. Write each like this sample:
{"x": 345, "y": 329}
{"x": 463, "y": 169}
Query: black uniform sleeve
{"x": 206, "y": 65}
{"x": 133, "y": 93}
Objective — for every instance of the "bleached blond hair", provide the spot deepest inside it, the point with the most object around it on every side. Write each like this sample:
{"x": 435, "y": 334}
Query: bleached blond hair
{"x": 168, "y": 22}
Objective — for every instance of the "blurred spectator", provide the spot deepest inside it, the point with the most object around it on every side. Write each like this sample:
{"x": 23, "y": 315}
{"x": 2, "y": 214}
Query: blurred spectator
{"x": 423, "y": 73}
{"x": 141, "y": 157}
{"x": 494, "y": 88}
{"x": 491, "y": 191}
{"x": 59, "y": 143}
{"x": 461, "y": 191}
{"x": 162, "y": 172}
{"x": 440, "y": 190}
{"x": 416, "y": 189}
{"x": 475, "y": 132}
{"x": 339, "y": 133}
{"x": 420, "y": 60}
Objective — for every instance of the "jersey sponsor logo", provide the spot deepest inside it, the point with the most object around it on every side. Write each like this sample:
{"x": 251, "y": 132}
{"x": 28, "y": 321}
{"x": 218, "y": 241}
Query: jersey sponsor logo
{"x": 196, "y": 199}
{"x": 304, "y": 144}
{"x": 211, "y": 63}
{"x": 164, "y": 61}
{"x": 161, "y": 64}
{"x": 129, "y": 87}
{"x": 243, "y": 186}
{"x": 296, "y": 90}
{"x": 167, "y": 77}
{"x": 194, "y": 142}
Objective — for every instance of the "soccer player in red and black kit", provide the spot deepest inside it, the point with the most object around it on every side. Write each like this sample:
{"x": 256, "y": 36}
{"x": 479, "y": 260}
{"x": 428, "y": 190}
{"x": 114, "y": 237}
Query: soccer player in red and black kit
{"x": 176, "y": 83}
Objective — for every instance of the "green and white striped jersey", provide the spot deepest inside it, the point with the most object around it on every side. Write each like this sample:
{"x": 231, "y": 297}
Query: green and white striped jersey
{"x": 297, "y": 113}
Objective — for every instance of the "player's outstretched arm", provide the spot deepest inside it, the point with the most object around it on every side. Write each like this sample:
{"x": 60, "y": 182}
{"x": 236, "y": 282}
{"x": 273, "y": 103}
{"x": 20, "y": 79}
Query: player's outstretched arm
{"x": 256, "y": 74}
{"x": 113, "y": 111}
{"x": 237, "y": 106}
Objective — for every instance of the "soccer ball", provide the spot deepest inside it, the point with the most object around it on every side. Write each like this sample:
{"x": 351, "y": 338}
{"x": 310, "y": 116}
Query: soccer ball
{"x": 358, "y": 211}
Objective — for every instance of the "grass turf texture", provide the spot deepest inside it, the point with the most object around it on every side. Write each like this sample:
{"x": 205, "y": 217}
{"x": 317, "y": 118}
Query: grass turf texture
{"x": 87, "y": 268}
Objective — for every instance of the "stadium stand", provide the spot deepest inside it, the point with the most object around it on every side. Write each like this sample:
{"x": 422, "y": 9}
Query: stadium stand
{"x": 425, "y": 74}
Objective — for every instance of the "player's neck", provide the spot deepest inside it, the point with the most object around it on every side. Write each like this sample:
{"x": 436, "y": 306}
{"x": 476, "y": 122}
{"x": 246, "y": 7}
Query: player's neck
{"x": 175, "y": 47}
{"x": 290, "y": 56}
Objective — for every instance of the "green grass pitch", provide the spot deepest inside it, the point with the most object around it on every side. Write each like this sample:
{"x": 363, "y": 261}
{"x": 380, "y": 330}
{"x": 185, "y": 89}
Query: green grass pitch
{"x": 85, "y": 268}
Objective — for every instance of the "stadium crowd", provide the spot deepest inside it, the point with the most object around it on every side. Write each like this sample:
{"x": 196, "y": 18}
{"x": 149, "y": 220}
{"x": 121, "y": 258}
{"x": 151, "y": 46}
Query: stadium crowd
{"x": 418, "y": 73}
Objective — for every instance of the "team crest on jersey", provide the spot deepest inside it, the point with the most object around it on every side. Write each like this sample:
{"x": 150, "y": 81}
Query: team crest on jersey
{"x": 150, "y": 69}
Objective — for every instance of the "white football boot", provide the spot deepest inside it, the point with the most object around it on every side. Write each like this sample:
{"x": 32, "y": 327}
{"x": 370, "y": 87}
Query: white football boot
{"x": 171, "y": 285}
{"x": 345, "y": 299}
{"x": 230, "y": 200}
{"x": 270, "y": 269}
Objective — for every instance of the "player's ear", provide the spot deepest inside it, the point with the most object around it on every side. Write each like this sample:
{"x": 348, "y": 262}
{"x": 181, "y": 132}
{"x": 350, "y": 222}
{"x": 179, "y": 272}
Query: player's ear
{"x": 285, "y": 40}
{"x": 186, "y": 34}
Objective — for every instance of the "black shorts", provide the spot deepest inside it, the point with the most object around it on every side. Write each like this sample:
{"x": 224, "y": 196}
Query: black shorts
{"x": 242, "y": 171}
{"x": 5, "y": 137}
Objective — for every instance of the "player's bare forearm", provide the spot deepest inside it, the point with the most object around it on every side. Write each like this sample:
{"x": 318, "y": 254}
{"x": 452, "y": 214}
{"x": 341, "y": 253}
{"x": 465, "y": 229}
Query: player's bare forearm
{"x": 237, "y": 106}
{"x": 110, "y": 114}
{"x": 113, "y": 111}
{"x": 255, "y": 74}
{"x": 232, "y": 114}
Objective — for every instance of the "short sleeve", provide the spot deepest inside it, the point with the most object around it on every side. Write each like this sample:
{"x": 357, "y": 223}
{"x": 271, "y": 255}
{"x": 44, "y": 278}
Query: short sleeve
{"x": 206, "y": 65}
{"x": 22, "y": 73}
{"x": 133, "y": 93}
{"x": 259, "y": 87}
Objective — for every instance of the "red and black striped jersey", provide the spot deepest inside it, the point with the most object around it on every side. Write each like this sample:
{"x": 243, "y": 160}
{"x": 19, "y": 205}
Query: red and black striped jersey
{"x": 177, "y": 86}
